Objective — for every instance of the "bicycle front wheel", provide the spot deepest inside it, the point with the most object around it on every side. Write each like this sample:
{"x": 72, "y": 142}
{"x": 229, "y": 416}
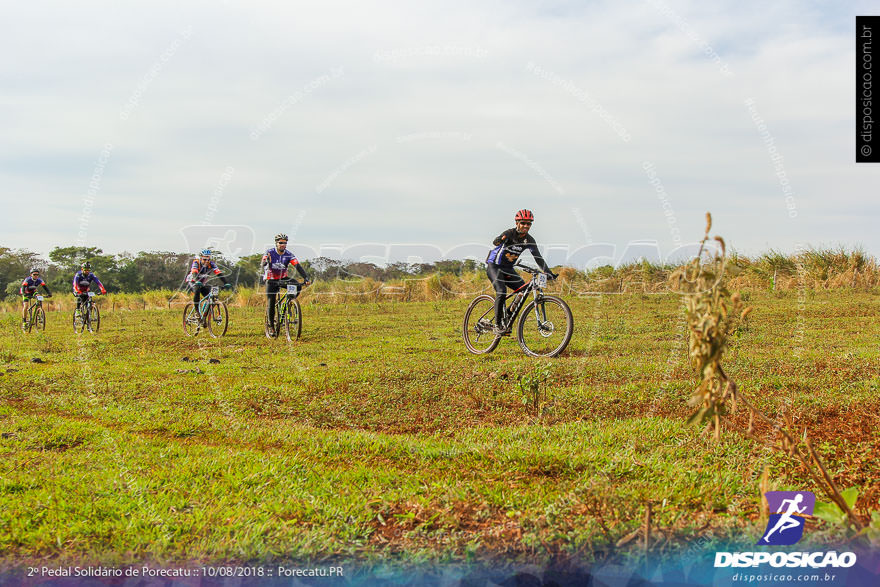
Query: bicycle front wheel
{"x": 293, "y": 321}
{"x": 39, "y": 321}
{"x": 191, "y": 320}
{"x": 478, "y": 328}
{"x": 94, "y": 319}
{"x": 79, "y": 319}
{"x": 28, "y": 322}
{"x": 218, "y": 319}
{"x": 546, "y": 327}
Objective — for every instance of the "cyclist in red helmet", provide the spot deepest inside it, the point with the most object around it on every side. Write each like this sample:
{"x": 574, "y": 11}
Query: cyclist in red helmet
{"x": 509, "y": 245}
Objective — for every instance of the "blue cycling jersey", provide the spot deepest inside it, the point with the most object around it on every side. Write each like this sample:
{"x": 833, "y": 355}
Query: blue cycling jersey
{"x": 509, "y": 245}
{"x": 30, "y": 285}
{"x": 198, "y": 270}
{"x": 277, "y": 264}
{"x": 82, "y": 282}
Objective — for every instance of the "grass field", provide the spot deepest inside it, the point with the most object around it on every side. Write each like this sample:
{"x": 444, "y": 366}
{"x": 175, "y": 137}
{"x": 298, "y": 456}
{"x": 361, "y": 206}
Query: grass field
{"x": 377, "y": 435}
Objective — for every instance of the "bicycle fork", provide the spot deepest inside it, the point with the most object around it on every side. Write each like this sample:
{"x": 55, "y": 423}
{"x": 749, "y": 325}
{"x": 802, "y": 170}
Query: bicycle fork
{"x": 540, "y": 311}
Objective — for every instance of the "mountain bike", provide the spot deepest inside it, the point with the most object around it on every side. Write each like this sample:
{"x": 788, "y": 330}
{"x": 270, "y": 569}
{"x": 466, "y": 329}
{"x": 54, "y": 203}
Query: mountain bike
{"x": 86, "y": 315}
{"x": 36, "y": 316}
{"x": 544, "y": 330}
{"x": 288, "y": 314}
{"x": 211, "y": 314}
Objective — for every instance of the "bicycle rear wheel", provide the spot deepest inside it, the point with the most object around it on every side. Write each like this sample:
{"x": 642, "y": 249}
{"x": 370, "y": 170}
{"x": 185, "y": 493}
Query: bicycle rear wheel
{"x": 293, "y": 320}
{"x": 39, "y": 321}
{"x": 94, "y": 319}
{"x": 478, "y": 328}
{"x": 545, "y": 327}
{"x": 218, "y": 319}
{"x": 191, "y": 321}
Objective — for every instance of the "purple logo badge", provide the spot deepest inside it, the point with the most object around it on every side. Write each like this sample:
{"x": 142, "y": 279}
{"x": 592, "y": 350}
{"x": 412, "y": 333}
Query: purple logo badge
{"x": 788, "y": 510}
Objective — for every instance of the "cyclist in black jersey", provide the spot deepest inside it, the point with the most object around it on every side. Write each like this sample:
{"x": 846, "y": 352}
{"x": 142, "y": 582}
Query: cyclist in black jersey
{"x": 509, "y": 245}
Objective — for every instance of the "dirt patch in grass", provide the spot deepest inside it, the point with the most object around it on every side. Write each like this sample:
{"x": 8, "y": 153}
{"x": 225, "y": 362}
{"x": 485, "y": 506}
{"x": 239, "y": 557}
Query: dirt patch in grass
{"x": 490, "y": 532}
{"x": 847, "y": 439}
{"x": 412, "y": 525}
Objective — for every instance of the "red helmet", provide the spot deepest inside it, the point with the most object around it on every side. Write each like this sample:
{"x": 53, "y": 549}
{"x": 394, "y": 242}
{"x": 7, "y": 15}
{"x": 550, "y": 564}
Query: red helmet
{"x": 525, "y": 215}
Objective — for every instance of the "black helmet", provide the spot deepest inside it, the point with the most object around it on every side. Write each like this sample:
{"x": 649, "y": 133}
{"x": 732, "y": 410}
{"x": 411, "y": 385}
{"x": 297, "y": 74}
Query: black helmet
{"x": 280, "y": 237}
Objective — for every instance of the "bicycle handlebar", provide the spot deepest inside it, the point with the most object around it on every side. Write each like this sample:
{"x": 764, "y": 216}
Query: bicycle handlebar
{"x": 531, "y": 270}
{"x": 291, "y": 281}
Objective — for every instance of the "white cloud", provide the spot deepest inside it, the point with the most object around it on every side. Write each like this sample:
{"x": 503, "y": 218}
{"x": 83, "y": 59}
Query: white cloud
{"x": 432, "y": 68}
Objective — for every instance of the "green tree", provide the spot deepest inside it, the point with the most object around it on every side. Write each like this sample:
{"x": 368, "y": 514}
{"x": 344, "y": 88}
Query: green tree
{"x": 128, "y": 276}
{"x": 14, "y": 267}
{"x": 326, "y": 268}
{"x": 248, "y": 270}
{"x": 70, "y": 258}
{"x": 67, "y": 260}
{"x": 162, "y": 269}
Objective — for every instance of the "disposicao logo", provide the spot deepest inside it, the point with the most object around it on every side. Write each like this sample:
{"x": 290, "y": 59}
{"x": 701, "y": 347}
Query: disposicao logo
{"x": 786, "y": 525}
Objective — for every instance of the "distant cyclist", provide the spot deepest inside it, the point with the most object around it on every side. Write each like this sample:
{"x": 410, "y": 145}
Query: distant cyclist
{"x": 276, "y": 261}
{"x": 201, "y": 269}
{"x": 509, "y": 245}
{"x": 29, "y": 288}
{"x": 83, "y": 281}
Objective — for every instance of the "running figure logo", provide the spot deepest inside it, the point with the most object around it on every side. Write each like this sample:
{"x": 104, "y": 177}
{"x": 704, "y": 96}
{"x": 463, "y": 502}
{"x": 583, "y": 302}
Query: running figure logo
{"x": 786, "y": 525}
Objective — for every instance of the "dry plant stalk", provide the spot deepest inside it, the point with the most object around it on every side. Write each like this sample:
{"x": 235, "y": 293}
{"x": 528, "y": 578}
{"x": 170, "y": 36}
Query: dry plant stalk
{"x": 712, "y": 314}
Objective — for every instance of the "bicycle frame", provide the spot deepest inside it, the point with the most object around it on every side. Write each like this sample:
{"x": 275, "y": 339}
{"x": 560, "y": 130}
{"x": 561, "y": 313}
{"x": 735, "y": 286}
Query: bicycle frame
{"x": 82, "y": 314}
{"x": 552, "y": 314}
{"x": 287, "y": 314}
{"x": 530, "y": 287}
{"x": 206, "y": 301}
{"x": 282, "y": 298}
{"x": 36, "y": 302}
{"x": 210, "y": 313}
{"x": 86, "y": 305}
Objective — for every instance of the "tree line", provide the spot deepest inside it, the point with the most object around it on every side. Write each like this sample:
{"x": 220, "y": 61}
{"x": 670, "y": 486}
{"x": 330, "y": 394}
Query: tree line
{"x": 152, "y": 270}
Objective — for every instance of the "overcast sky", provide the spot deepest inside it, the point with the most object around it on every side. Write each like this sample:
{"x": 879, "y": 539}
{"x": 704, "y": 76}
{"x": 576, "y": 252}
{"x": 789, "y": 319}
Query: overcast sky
{"x": 386, "y": 123}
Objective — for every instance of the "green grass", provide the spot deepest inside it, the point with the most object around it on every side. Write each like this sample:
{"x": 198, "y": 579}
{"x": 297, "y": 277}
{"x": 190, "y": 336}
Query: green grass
{"x": 378, "y": 435}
